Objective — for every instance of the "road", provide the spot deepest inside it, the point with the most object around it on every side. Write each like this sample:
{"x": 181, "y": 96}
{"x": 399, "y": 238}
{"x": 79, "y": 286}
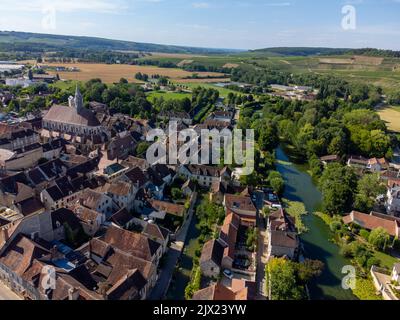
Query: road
{"x": 7, "y": 294}
{"x": 262, "y": 246}
{"x": 175, "y": 251}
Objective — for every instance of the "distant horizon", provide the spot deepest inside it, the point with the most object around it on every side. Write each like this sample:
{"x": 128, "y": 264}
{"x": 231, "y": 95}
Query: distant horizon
{"x": 199, "y": 47}
{"x": 241, "y": 25}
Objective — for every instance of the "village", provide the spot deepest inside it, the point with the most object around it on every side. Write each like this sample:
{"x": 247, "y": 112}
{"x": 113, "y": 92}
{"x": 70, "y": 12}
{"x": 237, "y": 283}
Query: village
{"x": 79, "y": 200}
{"x": 79, "y": 196}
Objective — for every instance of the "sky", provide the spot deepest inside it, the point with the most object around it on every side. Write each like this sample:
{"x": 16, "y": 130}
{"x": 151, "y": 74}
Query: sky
{"x": 235, "y": 24}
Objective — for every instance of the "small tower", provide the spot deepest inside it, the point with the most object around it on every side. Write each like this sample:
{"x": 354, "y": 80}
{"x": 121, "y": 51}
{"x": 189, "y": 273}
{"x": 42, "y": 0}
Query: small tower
{"x": 78, "y": 100}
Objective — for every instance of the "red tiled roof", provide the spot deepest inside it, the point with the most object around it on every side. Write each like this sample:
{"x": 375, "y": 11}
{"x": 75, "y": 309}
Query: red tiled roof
{"x": 371, "y": 222}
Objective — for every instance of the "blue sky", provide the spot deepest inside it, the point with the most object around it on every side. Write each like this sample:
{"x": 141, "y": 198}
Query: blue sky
{"x": 241, "y": 24}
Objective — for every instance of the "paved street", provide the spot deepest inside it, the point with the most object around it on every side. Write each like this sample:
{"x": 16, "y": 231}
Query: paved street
{"x": 7, "y": 294}
{"x": 262, "y": 247}
{"x": 173, "y": 255}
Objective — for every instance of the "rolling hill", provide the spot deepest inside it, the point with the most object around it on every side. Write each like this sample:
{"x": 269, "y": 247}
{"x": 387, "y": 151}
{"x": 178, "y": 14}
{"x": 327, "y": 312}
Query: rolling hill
{"x": 33, "y": 42}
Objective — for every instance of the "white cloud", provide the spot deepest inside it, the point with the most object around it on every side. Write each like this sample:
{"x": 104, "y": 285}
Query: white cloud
{"x": 201, "y": 5}
{"x": 98, "y": 6}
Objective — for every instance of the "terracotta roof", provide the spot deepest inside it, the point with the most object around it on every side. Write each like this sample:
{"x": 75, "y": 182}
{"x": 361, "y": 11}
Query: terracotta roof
{"x": 240, "y": 203}
{"x": 128, "y": 286}
{"x": 90, "y": 198}
{"x": 134, "y": 162}
{"x": 99, "y": 248}
{"x": 330, "y": 158}
{"x": 168, "y": 207}
{"x": 207, "y": 171}
{"x": 212, "y": 250}
{"x": 217, "y": 292}
{"x": 85, "y": 214}
{"x": 135, "y": 244}
{"x": 20, "y": 253}
{"x": 371, "y": 222}
{"x": 228, "y": 234}
{"x": 69, "y": 115}
{"x": 381, "y": 161}
{"x": 121, "y": 262}
{"x": 154, "y": 231}
{"x": 119, "y": 188}
{"x": 284, "y": 239}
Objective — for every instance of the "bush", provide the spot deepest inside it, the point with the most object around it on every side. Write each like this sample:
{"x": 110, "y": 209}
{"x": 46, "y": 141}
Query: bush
{"x": 176, "y": 193}
{"x": 379, "y": 238}
{"x": 346, "y": 251}
{"x": 335, "y": 226}
{"x": 364, "y": 234}
{"x": 373, "y": 262}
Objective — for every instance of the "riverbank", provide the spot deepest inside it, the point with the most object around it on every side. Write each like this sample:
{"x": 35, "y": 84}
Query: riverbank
{"x": 317, "y": 245}
{"x": 365, "y": 289}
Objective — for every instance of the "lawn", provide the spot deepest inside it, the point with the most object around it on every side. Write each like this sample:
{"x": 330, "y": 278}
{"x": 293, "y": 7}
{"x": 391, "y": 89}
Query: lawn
{"x": 387, "y": 261}
{"x": 168, "y": 95}
{"x": 65, "y": 85}
{"x": 391, "y": 115}
{"x": 223, "y": 91}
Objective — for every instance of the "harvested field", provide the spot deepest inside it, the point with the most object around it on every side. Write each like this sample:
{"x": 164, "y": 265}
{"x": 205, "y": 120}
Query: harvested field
{"x": 231, "y": 65}
{"x": 110, "y": 73}
{"x": 205, "y": 80}
{"x": 375, "y": 61}
{"x": 184, "y": 62}
{"x": 391, "y": 115}
{"x": 336, "y": 61}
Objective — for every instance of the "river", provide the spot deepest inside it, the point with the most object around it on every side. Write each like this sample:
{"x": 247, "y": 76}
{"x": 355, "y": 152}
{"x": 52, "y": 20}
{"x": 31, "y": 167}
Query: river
{"x": 317, "y": 244}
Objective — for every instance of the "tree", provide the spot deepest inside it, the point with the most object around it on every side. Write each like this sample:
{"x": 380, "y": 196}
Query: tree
{"x": 369, "y": 187}
{"x": 337, "y": 184}
{"x": 141, "y": 148}
{"x": 309, "y": 269}
{"x": 277, "y": 182}
{"x": 281, "y": 280}
{"x": 176, "y": 193}
{"x": 316, "y": 166}
{"x": 379, "y": 238}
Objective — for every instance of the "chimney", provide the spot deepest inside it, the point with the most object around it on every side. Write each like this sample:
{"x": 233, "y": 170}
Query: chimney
{"x": 3, "y": 236}
{"x": 53, "y": 253}
{"x": 73, "y": 294}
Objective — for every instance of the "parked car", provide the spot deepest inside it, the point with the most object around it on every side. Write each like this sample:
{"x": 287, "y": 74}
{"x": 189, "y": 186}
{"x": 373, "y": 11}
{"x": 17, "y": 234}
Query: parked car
{"x": 228, "y": 274}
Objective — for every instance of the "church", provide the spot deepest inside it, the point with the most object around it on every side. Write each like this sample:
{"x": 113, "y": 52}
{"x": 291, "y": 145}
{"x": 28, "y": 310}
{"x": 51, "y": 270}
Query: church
{"x": 74, "y": 119}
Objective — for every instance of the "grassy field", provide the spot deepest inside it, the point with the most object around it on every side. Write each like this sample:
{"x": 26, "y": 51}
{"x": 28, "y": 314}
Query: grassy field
{"x": 223, "y": 91}
{"x": 113, "y": 73}
{"x": 391, "y": 115}
{"x": 168, "y": 95}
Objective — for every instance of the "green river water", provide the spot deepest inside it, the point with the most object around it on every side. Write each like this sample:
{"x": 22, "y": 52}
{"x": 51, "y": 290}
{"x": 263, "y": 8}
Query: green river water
{"x": 317, "y": 244}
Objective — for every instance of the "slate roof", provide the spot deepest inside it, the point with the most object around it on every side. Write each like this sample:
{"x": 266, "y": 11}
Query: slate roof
{"x": 121, "y": 218}
{"x": 69, "y": 115}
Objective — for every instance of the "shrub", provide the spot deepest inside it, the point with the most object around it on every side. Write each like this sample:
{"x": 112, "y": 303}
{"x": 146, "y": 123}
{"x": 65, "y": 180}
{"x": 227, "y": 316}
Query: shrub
{"x": 379, "y": 238}
{"x": 335, "y": 226}
{"x": 364, "y": 234}
{"x": 373, "y": 262}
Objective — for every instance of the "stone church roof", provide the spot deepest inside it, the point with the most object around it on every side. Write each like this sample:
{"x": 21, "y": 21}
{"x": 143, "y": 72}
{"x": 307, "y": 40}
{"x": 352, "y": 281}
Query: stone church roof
{"x": 68, "y": 115}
